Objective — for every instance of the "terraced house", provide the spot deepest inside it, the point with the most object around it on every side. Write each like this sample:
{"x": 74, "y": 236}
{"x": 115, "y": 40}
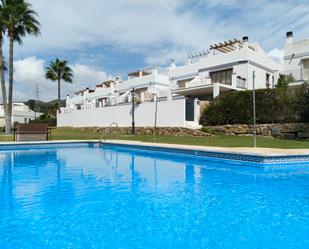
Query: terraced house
{"x": 181, "y": 92}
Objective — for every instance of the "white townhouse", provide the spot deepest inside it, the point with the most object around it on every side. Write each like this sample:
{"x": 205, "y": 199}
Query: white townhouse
{"x": 20, "y": 113}
{"x": 296, "y": 58}
{"x": 226, "y": 66}
{"x": 179, "y": 91}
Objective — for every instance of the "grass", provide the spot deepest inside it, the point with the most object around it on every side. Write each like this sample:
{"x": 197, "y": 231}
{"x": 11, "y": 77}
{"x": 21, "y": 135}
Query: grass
{"x": 221, "y": 140}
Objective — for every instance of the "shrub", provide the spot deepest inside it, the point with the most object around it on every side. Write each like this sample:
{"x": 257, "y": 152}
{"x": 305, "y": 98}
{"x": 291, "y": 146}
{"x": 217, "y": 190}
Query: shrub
{"x": 279, "y": 105}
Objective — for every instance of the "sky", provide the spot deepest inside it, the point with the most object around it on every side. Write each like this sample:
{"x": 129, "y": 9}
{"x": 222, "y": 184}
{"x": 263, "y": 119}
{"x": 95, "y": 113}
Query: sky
{"x": 102, "y": 39}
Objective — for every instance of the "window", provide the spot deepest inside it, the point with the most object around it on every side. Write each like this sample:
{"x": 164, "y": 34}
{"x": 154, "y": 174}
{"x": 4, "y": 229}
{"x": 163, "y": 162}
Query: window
{"x": 306, "y": 69}
{"x": 273, "y": 81}
{"x": 182, "y": 83}
{"x": 267, "y": 80}
{"x": 224, "y": 76}
{"x": 97, "y": 103}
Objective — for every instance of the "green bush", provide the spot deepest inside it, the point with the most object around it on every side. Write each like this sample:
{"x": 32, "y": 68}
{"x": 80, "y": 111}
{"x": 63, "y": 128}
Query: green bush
{"x": 279, "y": 105}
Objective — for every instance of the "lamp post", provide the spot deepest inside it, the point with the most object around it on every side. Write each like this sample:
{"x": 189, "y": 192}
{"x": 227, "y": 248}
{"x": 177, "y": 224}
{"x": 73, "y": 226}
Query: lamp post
{"x": 254, "y": 114}
{"x": 133, "y": 112}
{"x": 155, "y": 122}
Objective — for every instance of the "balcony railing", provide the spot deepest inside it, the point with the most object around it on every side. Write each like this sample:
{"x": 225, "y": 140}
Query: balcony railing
{"x": 241, "y": 83}
{"x": 298, "y": 74}
{"x": 205, "y": 81}
{"x": 236, "y": 81}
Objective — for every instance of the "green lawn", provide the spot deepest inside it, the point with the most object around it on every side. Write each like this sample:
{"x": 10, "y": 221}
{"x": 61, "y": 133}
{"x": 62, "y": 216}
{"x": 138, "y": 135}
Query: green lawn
{"x": 221, "y": 140}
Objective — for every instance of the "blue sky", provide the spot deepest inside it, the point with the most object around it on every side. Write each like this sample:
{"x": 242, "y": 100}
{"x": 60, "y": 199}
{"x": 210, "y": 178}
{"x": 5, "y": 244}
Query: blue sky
{"x": 103, "y": 38}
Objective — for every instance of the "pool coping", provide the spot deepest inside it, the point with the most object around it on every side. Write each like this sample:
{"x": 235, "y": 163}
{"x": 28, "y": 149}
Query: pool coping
{"x": 257, "y": 155}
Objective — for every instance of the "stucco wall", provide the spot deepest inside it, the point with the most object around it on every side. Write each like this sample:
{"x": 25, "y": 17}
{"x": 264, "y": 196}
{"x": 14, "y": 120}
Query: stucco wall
{"x": 171, "y": 113}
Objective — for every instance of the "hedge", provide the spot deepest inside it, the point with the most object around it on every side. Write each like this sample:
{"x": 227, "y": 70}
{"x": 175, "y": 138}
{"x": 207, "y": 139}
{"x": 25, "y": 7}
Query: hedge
{"x": 279, "y": 105}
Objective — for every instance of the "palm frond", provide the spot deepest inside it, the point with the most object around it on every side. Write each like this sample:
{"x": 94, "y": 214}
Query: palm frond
{"x": 59, "y": 70}
{"x": 19, "y": 19}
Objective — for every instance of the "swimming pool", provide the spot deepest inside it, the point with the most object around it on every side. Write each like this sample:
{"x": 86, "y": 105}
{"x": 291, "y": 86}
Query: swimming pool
{"x": 86, "y": 196}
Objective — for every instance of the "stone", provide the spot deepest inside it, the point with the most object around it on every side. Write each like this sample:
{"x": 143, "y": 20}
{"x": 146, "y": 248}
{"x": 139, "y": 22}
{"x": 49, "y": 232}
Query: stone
{"x": 288, "y": 135}
{"x": 240, "y": 129}
{"x": 275, "y": 132}
{"x": 291, "y": 127}
{"x": 264, "y": 131}
{"x": 303, "y": 134}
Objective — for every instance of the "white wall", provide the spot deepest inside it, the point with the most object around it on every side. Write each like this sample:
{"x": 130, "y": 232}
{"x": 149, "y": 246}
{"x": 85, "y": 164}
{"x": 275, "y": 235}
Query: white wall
{"x": 294, "y": 54}
{"x": 170, "y": 113}
{"x": 260, "y": 77}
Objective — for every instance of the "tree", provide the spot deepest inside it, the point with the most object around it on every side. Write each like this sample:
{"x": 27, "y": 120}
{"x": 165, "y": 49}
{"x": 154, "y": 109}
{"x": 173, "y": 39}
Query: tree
{"x": 19, "y": 20}
{"x": 303, "y": 101}
{"x": 59, "y": 70}
{"x": 2, "y": 65}
{"x": 285, "y": 80}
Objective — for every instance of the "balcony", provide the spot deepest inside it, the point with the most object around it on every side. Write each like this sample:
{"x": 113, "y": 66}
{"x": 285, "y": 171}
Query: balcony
{"x": 298, "y": 74}
{"x": 198, "y": 81}
{"x": 143, "y": 81}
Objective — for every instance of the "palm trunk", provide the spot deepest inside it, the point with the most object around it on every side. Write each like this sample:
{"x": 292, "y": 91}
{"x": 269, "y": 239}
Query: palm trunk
{"x": 59, "y": 91}
{"x": 3, "y": 88}
{"x": 11, "y": 80}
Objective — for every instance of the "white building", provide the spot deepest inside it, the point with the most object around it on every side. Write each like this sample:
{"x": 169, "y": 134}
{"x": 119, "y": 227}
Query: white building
{"x": 20, "y": 113}
{"x": 227, "y": 66}
{"x": 296, "y": 58}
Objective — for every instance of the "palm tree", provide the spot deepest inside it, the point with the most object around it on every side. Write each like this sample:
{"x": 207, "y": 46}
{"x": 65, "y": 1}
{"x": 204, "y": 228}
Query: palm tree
{"x": 19, "y": 20}
{"x": 2, "y": 66}
{"x": 59, "y": 70}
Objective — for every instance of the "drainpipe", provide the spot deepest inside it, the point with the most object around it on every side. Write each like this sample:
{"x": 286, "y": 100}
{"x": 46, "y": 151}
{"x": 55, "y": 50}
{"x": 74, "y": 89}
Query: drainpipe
{"x": 155, "y": 123}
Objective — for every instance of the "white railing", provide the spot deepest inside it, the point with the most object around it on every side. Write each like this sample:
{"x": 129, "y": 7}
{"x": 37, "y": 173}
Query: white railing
{"x": 297, "y": 74}
{"x": 142, "y": 81}
{"x": 198, "y": 82}
{"x": 241, "y": 83}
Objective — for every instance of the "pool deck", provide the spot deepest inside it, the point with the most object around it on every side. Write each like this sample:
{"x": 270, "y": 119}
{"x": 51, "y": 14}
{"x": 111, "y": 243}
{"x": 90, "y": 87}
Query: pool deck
{"x": 265, "y": 152}
{"x": 244, "y": 154}
{"x": 239, "y": 150}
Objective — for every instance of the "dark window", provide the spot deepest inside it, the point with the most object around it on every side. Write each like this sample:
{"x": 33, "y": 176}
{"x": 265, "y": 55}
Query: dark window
{"x": 267, "y": 80}
{"x": 224, "y": 76}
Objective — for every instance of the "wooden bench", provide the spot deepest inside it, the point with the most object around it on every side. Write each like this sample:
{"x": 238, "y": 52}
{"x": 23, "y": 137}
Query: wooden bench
{"x": 32, "y": 132}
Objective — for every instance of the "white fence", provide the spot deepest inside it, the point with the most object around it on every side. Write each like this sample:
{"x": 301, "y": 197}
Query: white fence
{"x": 171, "y": 113}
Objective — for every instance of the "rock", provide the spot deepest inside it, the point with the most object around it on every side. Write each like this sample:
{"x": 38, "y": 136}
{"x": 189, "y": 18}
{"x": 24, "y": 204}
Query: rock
{"x": 275, "y": 132}
{"x": 303, "y": 134}
{"x": 239, "y": 129}
{"x": 288, "y": 135}
{"x": 264, "y": 131}
{"x": 292, "y": 127}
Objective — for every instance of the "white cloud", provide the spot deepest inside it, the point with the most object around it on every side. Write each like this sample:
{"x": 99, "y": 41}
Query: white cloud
{"x": 31, "y": 71}
{"x": 277, "y": 54}
{"x": 156, "y": 30}
{"x": 150, "y": 27}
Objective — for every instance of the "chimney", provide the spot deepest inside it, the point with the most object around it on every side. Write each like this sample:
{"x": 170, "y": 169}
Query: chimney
{"x": 245, "y": 41}
{"x": 117, "y": 79}
{"x": 172, "y": 65}
{"x": 289, "y": 37}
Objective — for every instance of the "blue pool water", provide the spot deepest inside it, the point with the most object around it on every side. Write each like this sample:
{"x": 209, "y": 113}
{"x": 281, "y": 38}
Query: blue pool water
{"x": 90, "y": 197}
